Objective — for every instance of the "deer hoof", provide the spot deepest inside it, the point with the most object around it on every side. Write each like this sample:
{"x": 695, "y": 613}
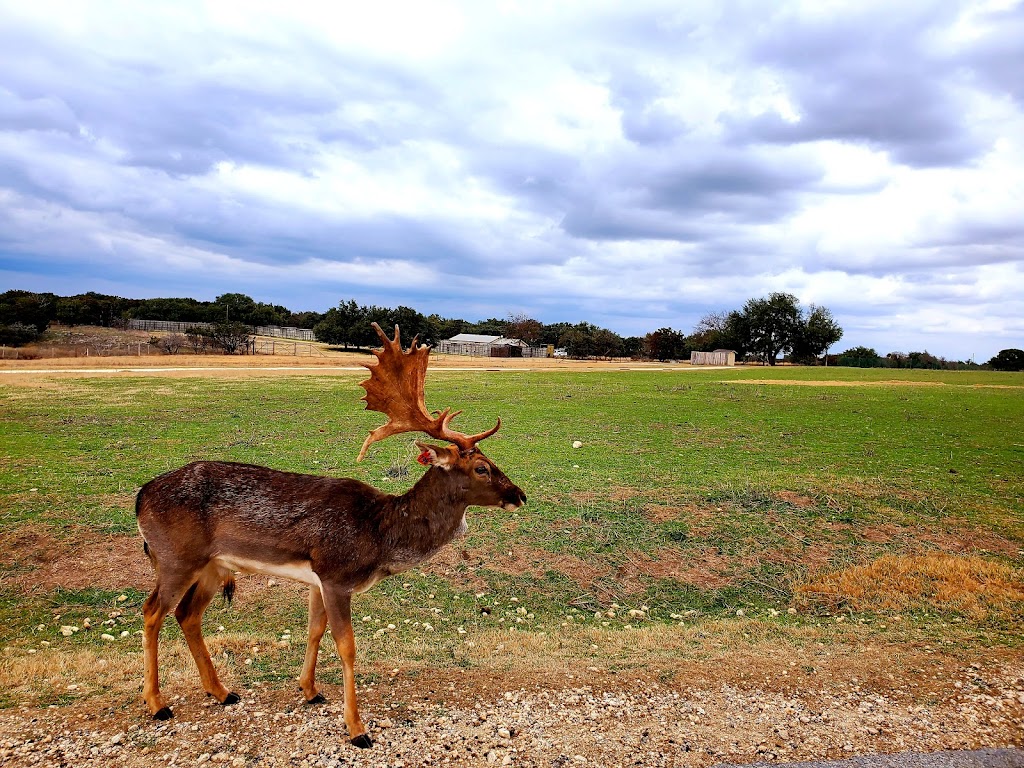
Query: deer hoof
{"x": 231, "y": 698}
{"x": 164, "y": 713}
{"x": 318, "y": 699}
{"x": 363, "y": 741}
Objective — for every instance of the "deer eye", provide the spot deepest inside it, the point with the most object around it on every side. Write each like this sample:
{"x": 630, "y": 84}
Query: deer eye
{"x": 481, "y": 469}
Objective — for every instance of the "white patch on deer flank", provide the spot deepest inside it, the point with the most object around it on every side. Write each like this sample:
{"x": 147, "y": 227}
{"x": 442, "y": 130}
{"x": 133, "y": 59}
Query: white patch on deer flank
{"x": 377, "y": 576}
{"x": 299, "y": 571}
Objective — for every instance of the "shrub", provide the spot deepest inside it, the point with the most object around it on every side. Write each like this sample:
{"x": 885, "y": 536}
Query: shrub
{"x": 18, "y": 334}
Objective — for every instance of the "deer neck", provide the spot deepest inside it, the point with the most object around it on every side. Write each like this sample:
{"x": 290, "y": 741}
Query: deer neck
{"x": 427, "y": 516}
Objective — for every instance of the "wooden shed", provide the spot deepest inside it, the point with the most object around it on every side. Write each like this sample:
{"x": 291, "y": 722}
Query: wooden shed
{"x": 718, "y": 357}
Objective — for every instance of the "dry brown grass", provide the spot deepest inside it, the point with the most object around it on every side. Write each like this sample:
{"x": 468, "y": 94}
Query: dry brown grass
{"x": 967, "y": 584}
{"x": 55, "y": 674}
{"x": 832, "y": 383}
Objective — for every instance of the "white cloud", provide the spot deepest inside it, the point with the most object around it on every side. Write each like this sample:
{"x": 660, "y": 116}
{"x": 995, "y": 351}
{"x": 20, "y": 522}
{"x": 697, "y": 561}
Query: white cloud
{"x": 633, "y": 165}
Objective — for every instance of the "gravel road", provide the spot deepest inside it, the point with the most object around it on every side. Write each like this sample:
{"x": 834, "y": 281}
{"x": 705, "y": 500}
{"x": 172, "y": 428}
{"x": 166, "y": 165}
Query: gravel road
{"x": 428, "y": 723}
{"x": 978, "y": 758}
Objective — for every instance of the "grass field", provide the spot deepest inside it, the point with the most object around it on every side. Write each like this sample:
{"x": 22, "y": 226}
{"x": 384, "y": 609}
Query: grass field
{"x": 704, "y": 511}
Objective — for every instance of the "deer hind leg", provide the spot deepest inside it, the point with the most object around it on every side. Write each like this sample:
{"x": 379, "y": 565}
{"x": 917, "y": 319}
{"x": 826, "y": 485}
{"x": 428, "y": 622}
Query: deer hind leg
{"x": 339, "y": 614}
{"x": 317, "y": 627}
{"x": 166, "y": 595}
{"x": 189, "y": 614}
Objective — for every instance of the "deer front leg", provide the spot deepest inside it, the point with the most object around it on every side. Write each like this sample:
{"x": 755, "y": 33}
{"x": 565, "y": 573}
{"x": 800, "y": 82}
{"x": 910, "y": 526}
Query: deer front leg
{"x": 317, "y": 627}
{"x": 339, "y": 614}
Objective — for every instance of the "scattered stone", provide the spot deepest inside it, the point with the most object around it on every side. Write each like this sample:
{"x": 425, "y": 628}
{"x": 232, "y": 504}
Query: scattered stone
{"x": 615, "y": 720}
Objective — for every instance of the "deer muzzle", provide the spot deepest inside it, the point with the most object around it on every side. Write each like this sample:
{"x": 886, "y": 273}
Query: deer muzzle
{"x": 513, "y": 498}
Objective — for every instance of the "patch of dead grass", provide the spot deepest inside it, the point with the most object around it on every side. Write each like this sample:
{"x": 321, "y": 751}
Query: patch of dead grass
{"x": 833, "y": 383}
{"x": 665, "y": 513}
{"x": 38, "y": 557}
{"x": 960, "y": 540}
{"x": 55, "y": 674}
{"x": 967, "y": 584}
{"x": 520, "y": 561}
{"x": 796, "y": 499}
{"x": 736, "y": 653}
{"x": 706, "y": 568}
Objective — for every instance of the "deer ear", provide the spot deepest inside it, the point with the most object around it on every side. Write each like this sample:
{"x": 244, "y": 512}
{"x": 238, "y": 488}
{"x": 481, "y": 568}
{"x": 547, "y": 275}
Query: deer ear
{"x": 434, "y": 456}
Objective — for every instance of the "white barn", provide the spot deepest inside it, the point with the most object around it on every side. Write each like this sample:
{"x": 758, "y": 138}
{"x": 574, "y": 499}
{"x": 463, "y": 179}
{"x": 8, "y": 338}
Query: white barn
{"x": 480, "y": 345}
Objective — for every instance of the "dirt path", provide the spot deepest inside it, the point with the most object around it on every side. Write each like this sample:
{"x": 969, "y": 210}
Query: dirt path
{"x": 334, "y": 363}
{"x": 423, "y": 717}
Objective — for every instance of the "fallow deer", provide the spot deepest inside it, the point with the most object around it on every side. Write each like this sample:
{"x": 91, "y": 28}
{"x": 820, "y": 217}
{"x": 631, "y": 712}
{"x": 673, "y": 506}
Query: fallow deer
{"x": 205, "y": 521}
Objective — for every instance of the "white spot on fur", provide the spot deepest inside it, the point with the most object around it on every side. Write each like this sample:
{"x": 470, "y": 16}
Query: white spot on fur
{"x": 301, "y": 571}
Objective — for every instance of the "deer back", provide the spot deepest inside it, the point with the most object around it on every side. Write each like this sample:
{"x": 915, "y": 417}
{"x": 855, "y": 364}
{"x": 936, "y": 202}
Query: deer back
{"x": 213, "y": 509}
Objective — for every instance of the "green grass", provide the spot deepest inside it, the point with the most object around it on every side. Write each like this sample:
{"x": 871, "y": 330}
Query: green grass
{"x": 744, "y": 489}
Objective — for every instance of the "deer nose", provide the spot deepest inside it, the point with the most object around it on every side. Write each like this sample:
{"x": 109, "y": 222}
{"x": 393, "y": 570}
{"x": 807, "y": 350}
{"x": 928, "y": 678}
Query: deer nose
{"x": 513, "y": 498}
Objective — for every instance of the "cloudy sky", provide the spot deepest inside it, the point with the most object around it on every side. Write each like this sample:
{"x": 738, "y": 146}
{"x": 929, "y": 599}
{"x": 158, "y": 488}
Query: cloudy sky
{"x": 632, "y": 164}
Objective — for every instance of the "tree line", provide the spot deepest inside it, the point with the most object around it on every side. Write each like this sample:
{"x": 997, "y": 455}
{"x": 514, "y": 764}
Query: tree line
{"x": 38, "y": 310}
{"x": 867, "y": 357}
{"x": 763, "y": 329}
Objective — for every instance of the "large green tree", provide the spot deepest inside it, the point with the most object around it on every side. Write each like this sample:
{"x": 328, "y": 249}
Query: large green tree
{"x": 233, "y": 306}
{"x": 769, "y": 327}
{"x": 666, "y": 344}
{"x": 182, "y": 310}
{"x": 721, "y": 330}
{"x": 342, "y": 324}
{"x": 26, "y": 308}
{"x": 607, "y": 344}
{"x": 349, "y": 324}
{"x": 773, "y": 325}
{"x": 441, "y": 328}
{"x": 817, "y": 332}
{"x": 492, "y": 326}
{"x": 1008, "y": 360}
{"x": 410, "y": 322}
{"x": 860, "y": 357}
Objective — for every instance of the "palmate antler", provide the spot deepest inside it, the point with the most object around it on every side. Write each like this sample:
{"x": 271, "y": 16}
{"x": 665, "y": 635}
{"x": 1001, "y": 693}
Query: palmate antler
{"x": 395, "y": 388}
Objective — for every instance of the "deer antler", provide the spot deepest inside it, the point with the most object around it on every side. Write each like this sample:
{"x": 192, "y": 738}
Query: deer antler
{"x": 395, "y": 388}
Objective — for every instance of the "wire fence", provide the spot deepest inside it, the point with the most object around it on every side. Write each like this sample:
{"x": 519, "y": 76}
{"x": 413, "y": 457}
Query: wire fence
{"x": 476, "y": 349}
{"x": 176, "y": 326}
{"x": 284, "y": 347}
{"x": 133, "y": 349}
